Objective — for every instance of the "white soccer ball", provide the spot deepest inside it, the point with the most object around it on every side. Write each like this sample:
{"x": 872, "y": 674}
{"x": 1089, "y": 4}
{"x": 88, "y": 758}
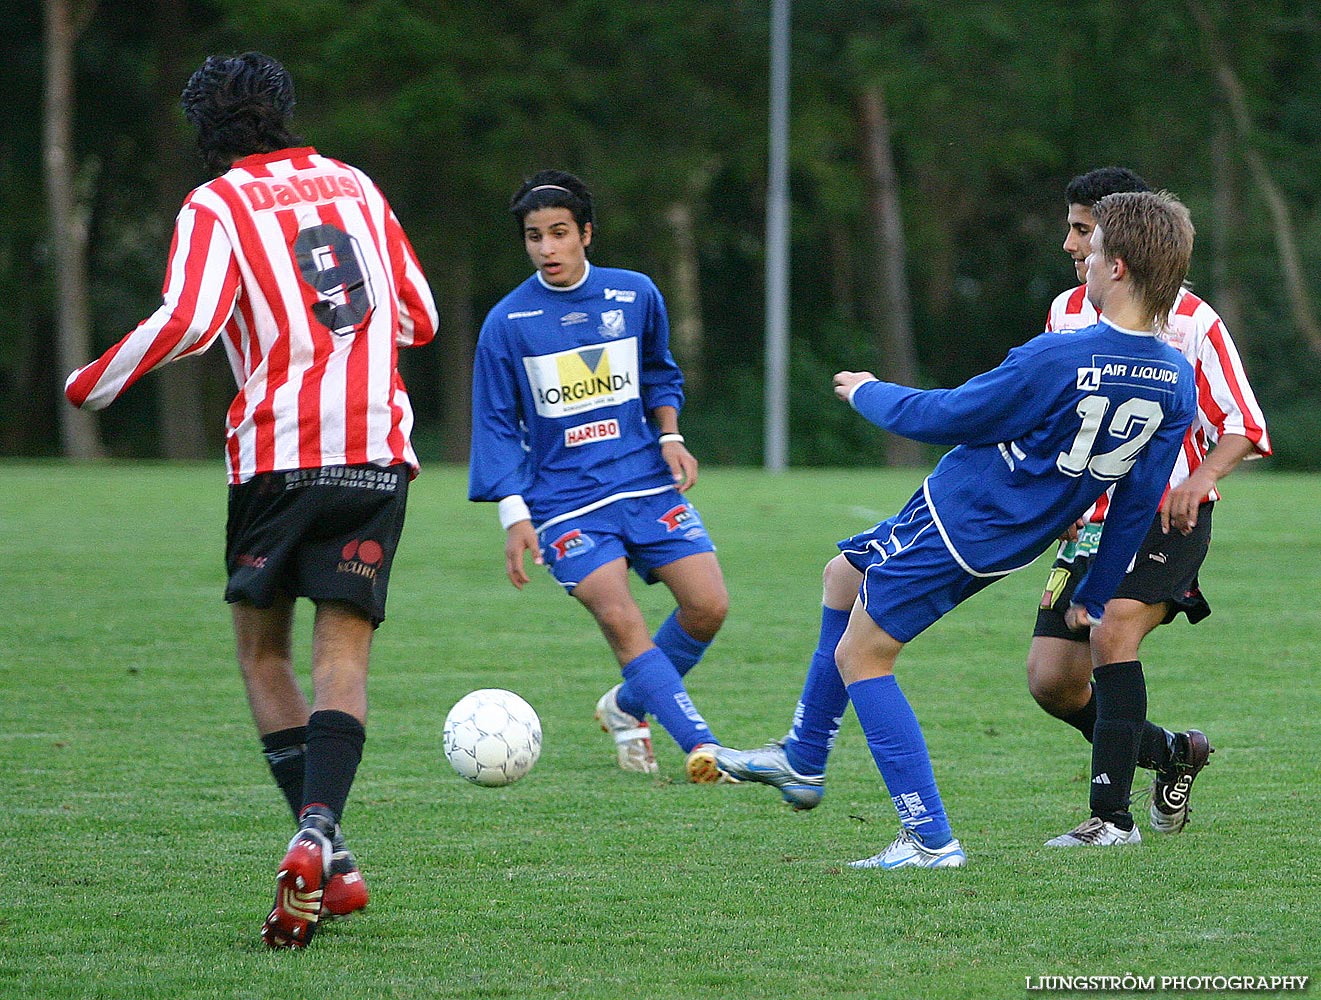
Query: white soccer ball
{"x": 492, "y": 737}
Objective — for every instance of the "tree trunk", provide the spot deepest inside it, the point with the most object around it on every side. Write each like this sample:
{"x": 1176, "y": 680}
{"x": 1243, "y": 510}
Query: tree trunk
{"x": 687, "y": 335}
{"x": 80, "y": 436}
{"x": 843, "y": 267}
{"x": 180, "y": 412}
{"x": 1295, "y": 284}
{"x": 892, "y": 308}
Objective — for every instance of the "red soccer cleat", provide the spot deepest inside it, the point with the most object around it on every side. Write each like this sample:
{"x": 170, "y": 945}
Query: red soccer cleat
{"x": 299, "y": 891}
{"x": 346, "y": 891}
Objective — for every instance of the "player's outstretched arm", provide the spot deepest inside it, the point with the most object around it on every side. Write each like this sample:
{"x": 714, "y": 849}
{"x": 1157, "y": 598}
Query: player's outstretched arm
{"x": 520, "y": 538}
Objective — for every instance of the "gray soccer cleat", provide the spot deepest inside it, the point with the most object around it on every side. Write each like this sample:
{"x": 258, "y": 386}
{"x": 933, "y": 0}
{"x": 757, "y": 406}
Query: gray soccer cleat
{"x": 908, "y": 851}
{"x": 769, "y": 765}
{"x": 1096, "y": 832}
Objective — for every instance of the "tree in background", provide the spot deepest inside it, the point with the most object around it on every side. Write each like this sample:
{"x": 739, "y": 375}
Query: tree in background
{"x": 79, "y": 435}
{"x": 990, "y": 109}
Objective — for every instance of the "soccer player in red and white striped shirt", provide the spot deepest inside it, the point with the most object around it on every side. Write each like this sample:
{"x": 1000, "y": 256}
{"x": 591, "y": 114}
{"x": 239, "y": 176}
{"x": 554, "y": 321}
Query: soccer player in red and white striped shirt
{"x": 297, "y": 262}
{"x": 1163, "y": 579}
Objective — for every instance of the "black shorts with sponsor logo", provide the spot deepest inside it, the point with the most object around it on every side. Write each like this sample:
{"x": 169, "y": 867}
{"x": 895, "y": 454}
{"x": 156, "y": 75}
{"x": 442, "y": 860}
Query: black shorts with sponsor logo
{"x": 324, "y": 534}
{"x": 1164, "y": 571}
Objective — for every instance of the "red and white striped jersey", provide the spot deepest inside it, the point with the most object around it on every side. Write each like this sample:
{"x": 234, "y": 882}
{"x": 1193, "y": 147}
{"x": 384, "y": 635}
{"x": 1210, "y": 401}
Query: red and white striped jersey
{"x": 1225, "y": 401}
{"x": 299, "y": 261}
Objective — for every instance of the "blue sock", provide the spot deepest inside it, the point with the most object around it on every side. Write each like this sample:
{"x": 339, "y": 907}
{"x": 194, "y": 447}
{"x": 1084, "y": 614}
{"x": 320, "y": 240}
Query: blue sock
{"x": 683, "y": 650}
{"x": 662, "y": 694}
{"x": 900, "y": 752}
{"x": 823, "y": 702}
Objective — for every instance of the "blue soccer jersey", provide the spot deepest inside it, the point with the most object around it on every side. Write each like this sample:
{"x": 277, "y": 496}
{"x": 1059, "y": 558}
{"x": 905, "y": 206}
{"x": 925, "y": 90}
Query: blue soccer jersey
{"x": 563, "y": 382}
{"x": 1061, "y": 420}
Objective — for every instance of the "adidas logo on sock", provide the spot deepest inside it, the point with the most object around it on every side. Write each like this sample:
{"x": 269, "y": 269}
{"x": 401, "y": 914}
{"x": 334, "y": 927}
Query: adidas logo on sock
{"x": 1101, "y": 779}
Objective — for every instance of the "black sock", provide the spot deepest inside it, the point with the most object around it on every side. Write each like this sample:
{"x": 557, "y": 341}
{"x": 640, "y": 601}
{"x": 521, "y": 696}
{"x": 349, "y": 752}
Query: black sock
{"x": 285, "y": 750}
{"x": 1121, "y": 710}
{"x": 1155, "y": 748}
{"x": 1084, "y": 720}
{"x": 334, "y": 750}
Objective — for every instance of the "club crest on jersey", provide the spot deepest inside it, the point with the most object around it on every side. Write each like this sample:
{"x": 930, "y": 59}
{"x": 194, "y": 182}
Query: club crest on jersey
{"x": 679, "y": 517}
{"x": 599, "y": 430}
{"x": 572, "y": 543}
{"x": 612, "y": 323}
{"x": 621, "y": 295}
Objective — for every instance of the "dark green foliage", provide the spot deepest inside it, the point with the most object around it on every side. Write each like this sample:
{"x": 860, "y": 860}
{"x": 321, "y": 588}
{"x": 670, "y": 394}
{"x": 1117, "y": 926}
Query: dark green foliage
{"x": 993, "y": 108}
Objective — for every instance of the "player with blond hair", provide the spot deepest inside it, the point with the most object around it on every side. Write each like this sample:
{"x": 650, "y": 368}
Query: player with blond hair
{"x": 1063, "y": 419}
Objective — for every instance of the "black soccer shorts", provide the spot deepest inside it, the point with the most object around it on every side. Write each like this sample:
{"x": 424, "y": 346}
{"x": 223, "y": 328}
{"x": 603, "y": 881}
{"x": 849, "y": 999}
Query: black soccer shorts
{"x": 1164, "y": 571}
{"x": 325, "y": 534}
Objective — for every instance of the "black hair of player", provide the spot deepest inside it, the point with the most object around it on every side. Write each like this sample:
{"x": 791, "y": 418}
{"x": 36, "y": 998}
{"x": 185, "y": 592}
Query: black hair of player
{"x": 552, "y": 189}
{"x": 1089, "y": 188}
{"x": 239, "y": 105}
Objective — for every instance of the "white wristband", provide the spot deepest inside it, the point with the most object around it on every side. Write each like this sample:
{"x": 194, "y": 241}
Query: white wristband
{"x": 667, "y": 438}
{"x": 512, "y": 510}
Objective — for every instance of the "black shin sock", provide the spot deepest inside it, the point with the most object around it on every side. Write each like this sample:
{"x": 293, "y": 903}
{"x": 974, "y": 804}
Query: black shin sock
{"x": 334, "y": 750}
{"x": 1155, "y": 747}
{"x": 285, "y": 750}
{"x": 1084, "y": 719}
{"x": 1121, "y": 710}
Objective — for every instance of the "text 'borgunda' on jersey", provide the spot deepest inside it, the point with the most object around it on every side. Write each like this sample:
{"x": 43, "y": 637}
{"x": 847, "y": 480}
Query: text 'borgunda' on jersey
{"x": 563, "y": 381}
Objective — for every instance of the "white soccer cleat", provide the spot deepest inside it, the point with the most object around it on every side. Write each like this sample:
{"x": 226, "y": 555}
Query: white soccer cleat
{"x": 908, "y": 851}
{"x": 632, "y": 735}
{"x": 1096, "y": 832}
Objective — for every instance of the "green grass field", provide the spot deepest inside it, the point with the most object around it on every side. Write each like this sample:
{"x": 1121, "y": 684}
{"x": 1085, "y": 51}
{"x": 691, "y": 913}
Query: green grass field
{"x": 139, "y": 828}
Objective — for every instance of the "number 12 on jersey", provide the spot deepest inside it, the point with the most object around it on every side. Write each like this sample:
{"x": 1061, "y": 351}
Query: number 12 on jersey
{"x": 1134, "y": 422}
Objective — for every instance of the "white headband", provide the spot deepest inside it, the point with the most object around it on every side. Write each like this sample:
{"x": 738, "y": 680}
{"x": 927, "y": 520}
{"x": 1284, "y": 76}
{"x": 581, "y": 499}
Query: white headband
{"x": 550, "y": 187}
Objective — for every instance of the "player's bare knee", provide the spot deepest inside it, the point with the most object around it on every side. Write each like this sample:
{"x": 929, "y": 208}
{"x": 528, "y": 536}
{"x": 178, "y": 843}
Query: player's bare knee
{"x": 1055, "y": 694}
{"x": 1115, "y": 640}
{"x": 839, "y": 583}
{"x": 702, "y": 618}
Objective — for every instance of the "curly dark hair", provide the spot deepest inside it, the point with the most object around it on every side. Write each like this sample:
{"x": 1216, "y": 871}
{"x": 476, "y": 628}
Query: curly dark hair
{"x": 239, "y": 105}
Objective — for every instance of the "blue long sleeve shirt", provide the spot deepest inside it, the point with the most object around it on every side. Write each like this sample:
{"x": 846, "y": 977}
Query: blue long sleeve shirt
{"x": 563, "y": 383}
{"x": 1039, "y": 438}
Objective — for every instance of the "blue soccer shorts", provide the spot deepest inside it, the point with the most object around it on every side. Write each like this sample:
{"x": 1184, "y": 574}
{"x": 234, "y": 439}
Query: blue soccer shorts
{"x": 909, "y": 578}
{"x": 649, "y": 531}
